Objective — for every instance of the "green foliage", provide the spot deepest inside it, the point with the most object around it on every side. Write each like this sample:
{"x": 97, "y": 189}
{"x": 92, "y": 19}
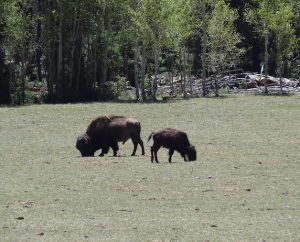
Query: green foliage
{"x": 16, "y": 25}
{"x": 115, "y": 90}
{"x": 281, "y": 25}
{"x": 275, "y": 18}
{"x": 149, "y": 20}
{"x": 78, "y": 46}
{"x": 223, "y": 38}
{"x": 179, "y": 22}
{"x": 294, "y": 70}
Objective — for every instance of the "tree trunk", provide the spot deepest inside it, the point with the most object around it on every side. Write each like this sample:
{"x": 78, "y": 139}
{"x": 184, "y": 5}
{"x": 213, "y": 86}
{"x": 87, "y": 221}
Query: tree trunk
{"x": 191, "y": 86}
{"x": 280, "y": 76}
{"x": 104, "y": 66}
{"x": 136, "y": 73}
{"x": 51, "y": 71}
{"x": 266, "y": 59}
{"x": 216, "y": 85}
{"x": 156, "y": 64}
{"x": 74, "y": 57}
{"x": 203, "y": 59}
{"x": 95, "y": 70}
{"x": 184, "y": 72}
{"x": 107, "y": 31}
{"x": 143, "y": 72}
{"x": 181, "y": 72}
{"x": 90, "y": 78}
{"x": 77, "y": 78}
{"x": 60, "y": 81}
{"x": 171, "y": 77}
{"x": 11, "y": 82}
{"x": 51, "y": 38}
{"x": 22, "y": 77}
{"x": 38, "y": 53}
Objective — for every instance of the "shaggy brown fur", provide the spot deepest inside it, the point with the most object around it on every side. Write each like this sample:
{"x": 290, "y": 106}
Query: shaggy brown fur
{"x": 172, "y": 139}
{"x": 106, "y": 131}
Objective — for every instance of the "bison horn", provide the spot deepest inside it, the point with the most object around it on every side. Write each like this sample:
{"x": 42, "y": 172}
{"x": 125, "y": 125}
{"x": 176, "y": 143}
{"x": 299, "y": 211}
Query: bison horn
{"x": 85, "y": 140}
{"x": 186, "y": 157}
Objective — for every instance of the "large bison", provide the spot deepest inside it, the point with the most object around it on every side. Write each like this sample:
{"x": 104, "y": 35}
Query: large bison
{"x": 172, "y": 139}
{"x": 106, "y": 131}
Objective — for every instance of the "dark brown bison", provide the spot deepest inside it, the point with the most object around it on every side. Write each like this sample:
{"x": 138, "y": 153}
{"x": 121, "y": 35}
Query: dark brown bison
{"x": 106, "y": 131}
{"x": 172, "y": 139}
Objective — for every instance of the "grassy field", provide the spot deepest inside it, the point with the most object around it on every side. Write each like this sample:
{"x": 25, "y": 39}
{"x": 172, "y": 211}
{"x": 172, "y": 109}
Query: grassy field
{"x": 244, "y": 186}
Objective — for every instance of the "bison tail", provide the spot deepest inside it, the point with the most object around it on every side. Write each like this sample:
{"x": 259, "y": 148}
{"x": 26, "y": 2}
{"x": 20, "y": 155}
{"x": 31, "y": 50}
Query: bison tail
{"x": 150, "y": 136}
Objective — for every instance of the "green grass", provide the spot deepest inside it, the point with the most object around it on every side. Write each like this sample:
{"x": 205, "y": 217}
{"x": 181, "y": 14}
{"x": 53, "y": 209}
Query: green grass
{"x": 244, "y": 186}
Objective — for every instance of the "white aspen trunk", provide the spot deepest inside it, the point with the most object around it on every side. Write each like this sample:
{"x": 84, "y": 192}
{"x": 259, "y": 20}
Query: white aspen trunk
{"x": 171, "y": 77}
{"x": 143, "y": 72}
{"x": 107, "y": 30}
{"x": 104, "y": 64}
{"x": 78, "y": 72}
{"x": 75, "y": 31}
{"x": 59, "y": 81}
{"x": 156, "y": 64}
{"x": 184, "y": 72}
{"x": 95, "y": 72}
{"x": 11, "y": 81}
{"x": 203, "y": 60}
{"x": 216, "y": 85}
{"x": 180, "y": 71}
{"x": 94, "y": 63}
{"x": 136, "y": 73}
{"x": 38, "y": 53}
{"x": 50, "y": 58}
{"x": 266, "y": 59}
{"x": 51, "y": 71}
{"x": 22, "y": 77}
{"x": 280, "y": 77}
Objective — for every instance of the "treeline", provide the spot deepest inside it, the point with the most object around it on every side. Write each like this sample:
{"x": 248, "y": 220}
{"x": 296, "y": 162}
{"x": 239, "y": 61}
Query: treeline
{"x": 85, "y": 50}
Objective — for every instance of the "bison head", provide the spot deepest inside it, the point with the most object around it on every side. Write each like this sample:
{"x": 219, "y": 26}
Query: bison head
{"x": 84, "y": 145}
{"x": 190, "y": 153}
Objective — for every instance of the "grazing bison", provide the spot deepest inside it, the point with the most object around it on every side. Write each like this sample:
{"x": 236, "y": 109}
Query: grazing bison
{"x": 105, "y": 131}
{"x": 172, "y": 139}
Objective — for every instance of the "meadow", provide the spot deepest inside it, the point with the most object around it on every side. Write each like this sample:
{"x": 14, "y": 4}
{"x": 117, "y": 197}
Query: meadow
{"x": 244, "y": 186}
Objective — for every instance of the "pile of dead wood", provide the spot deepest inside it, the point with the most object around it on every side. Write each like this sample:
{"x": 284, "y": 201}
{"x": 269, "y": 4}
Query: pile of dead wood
{"x": 228, "y": 82}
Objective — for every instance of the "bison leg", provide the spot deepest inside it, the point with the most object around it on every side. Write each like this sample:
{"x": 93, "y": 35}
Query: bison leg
{"x": 154, "y": 150}
{"x": 142, "y": 145}
{"x": 137, "y": 140}
{"x": 152, "y": 157}
{"x": 104, "y": 151}
{"x": 115, "y": 147}
{"x": 135, "y": 143}
{"x": 171, "y": 152}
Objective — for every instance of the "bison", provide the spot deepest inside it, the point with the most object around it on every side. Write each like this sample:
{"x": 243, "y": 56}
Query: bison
{"x": 106, "y": 131}
{"x": 172, "y": 139}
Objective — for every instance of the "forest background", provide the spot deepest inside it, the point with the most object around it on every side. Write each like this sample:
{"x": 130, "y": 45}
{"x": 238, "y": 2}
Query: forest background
{"x": 86, "y": 50}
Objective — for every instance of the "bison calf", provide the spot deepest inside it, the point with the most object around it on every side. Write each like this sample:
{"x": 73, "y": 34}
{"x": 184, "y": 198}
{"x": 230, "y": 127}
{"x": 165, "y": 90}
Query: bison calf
{"x": 172, "y": 139}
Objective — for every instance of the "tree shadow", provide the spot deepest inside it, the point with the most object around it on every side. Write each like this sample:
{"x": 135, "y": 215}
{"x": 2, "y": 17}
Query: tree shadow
{"x": 219, "y": 97}
{"x": 276, "y": 94}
